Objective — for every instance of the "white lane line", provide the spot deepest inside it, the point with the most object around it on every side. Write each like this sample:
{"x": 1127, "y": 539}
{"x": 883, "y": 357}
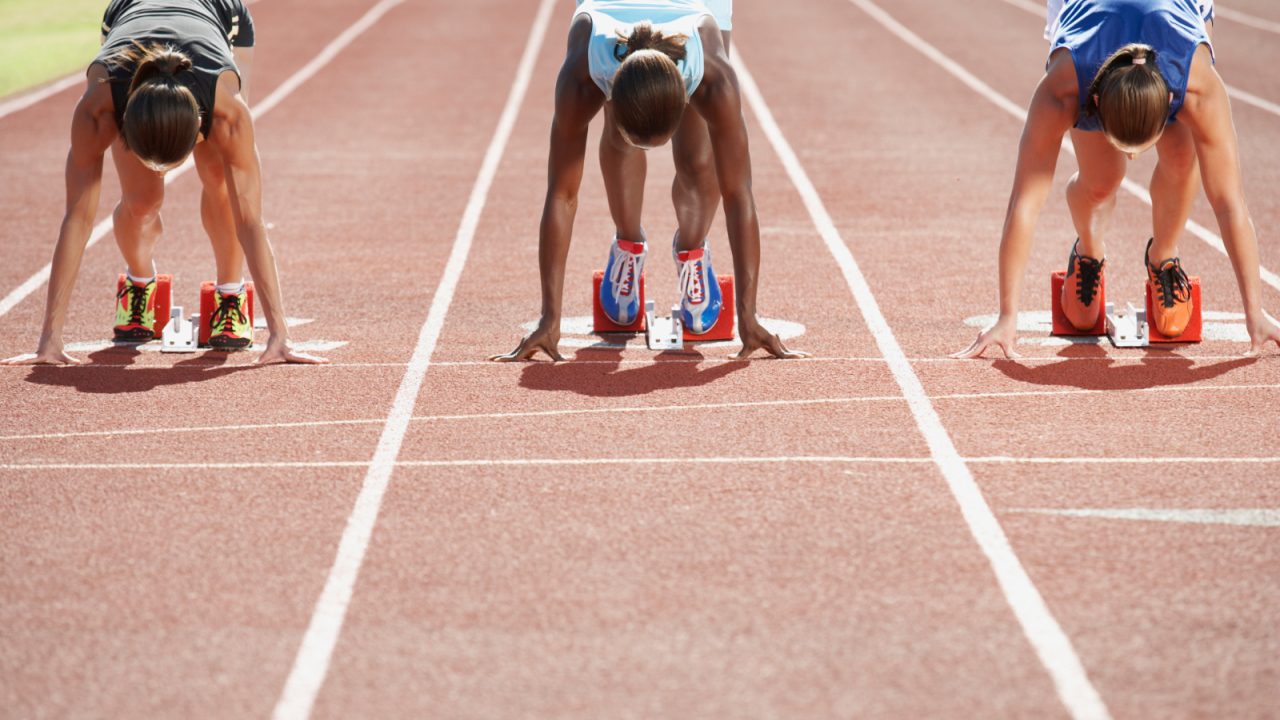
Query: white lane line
{"x": 584, "y": 462}
{"x": 312, "y": 662}
{"x": 1045, "y": 635}
{"x": 305, "y": 73}
{"x": 627, "y": 409}
{"x": 1257, "y": 517}
{"x": 1235, "y": 92}
{"x": 973, "y": 83}
{"x": 1246, "y": 19}
{"x": 22, "y": 102}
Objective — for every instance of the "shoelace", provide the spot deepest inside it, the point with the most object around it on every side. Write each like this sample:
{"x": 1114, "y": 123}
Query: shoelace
{"x": 228, "y": 312}
{"x": 1090, "y": 275}
{"x": 624, "y": 273}
{"x": 137, "y": 301}
{"x": 1174, "y": 285}
{"x": 691, "y": 281}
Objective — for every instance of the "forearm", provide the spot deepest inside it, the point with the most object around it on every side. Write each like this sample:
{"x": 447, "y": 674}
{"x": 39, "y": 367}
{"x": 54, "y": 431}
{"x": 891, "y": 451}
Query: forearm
{"x": 65, "y": 267}
{"x": 261, "y": 260}
{"x": 1015, "y": 248}
{"x": 554, "y": 237}
{"x": 1241, "y": 242}
{"x": 744, "y": 241}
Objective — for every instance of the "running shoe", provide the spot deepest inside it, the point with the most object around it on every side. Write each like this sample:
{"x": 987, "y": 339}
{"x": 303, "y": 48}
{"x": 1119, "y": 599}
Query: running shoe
{"x": 700, "y": 300}
{"x": 136, "y": 311}
{"x": 230, "y": 327}
{"x": 620, "y": 289}
{"x": 1170, "y": 294}
{"x": 1080, "y": 297}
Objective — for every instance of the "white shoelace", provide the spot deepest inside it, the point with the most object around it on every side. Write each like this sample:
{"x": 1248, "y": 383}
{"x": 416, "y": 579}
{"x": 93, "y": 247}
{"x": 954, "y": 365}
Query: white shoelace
{"x": 691, "y": 281}
{"x": 624, "y": 269}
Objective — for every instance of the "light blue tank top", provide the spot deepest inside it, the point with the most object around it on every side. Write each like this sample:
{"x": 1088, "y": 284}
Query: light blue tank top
{"x": 671, "y": 17}
{"x": 1093, "y": 29}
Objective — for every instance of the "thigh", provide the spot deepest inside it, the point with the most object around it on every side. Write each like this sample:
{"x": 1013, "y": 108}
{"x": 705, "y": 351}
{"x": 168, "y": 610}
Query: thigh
{"x": 1102, "y": 166}
{"x": 141, "y": 188}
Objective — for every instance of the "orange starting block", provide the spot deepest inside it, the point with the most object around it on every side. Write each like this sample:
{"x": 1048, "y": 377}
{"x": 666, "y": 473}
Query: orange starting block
{"x": 600, "y": 322}
{"x": 1128, "y": 327}
{"x": 163, "y": 300}
{"x": 209, "y": 303}
{"x": 724, "y": 329}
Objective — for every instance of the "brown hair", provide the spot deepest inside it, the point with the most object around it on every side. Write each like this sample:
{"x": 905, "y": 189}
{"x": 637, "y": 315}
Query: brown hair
{"x": 648, "y": 90}
{"x": 1129, "y": 96}
{"x": 161, "y": 117}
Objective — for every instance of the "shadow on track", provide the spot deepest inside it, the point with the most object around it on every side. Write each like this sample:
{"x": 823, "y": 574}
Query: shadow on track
{"x": 110, "y": 372}
{"x": 1156, "y": 370}
{"x": 608, "y": 379}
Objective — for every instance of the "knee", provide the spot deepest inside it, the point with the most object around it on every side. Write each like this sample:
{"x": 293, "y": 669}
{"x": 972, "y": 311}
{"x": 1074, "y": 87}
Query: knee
{"x": 699, "y": 167}
{"x": 1179, "y": 159}
{"x": 142, "y": 209}
{"x": 1095, "y": 191}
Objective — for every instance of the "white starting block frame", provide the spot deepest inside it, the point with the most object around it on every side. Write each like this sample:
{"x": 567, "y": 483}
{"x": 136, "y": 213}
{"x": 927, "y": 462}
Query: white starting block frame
{"x": 663, "y": 333}
{"x": 1127, "y": 328}
{"x": 180, "y": 335}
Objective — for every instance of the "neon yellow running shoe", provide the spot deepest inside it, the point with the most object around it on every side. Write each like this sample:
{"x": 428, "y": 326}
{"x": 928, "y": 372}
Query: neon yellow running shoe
{"x": 136, "y": 311}
{"x": 229, "y": 325}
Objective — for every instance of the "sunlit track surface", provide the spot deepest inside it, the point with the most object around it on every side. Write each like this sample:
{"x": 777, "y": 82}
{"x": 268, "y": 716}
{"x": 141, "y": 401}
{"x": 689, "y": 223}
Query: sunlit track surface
{"x": 630, "y": 534}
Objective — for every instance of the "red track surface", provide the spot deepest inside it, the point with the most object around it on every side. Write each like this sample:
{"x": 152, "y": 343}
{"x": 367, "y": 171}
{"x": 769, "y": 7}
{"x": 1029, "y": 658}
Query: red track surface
{"x": 821, "y": 567}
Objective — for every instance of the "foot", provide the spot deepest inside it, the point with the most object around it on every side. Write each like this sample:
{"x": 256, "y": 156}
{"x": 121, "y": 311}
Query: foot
{"x": 229, "y": 326}
{"x": 1080, "y": 298}
{"x": 1170, "y": 295}
{"x": 136, "y": 311}
{"x": 700, "y": 300}
{"x": 620, "y": 290}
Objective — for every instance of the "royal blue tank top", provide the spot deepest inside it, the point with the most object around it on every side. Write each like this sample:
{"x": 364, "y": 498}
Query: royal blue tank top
{"x": 1094, "y": 29}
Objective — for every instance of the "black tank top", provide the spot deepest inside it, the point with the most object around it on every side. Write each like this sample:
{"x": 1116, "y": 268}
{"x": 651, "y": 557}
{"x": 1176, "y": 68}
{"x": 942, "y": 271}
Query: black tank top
{"x": 205, "y": 30}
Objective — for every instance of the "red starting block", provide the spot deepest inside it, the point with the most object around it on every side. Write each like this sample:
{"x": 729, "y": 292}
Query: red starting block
{"x": 163, "y": 300}
{"x": 600, "y": 322}
{"x": 1191, "y": 334}
{"x": 209, "y": 303}
{"x": 1063, "y": 326}
{"x": 725, "y": 324}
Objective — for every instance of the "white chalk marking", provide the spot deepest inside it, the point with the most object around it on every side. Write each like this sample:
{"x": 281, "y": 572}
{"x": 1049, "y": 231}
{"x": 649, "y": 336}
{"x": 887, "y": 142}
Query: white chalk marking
{"x": 1257, "y": 517}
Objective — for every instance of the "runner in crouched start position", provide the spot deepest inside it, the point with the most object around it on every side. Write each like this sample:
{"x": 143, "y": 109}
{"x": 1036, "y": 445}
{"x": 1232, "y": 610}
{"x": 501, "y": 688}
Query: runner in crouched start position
{"x": 170, "y": 81}
{"x": 1124, "y": 76}
{"x": 660, "y": 70}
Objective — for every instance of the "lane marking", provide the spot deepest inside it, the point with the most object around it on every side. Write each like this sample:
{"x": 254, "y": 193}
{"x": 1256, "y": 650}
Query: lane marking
{"x": 305, "y": 73}
{"x": 1246, "y": 19}
{"x": 22, "y": 102}
{"x": 316, "y": 651}
{"x": 973, "y": 83}
{"x": 1045, "y": 635}
{"x": 578, "y": 331}
{"x": 627, "y": 409}
{"x": 1257, "y": 517}
{"x": 582, "y": 462}
{"x": 1235, "y": 92}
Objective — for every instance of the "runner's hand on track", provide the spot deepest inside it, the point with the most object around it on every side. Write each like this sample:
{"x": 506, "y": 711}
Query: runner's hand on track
{"x": 754, "y": 337}
{"x": 280, "y": 352}
{"x": 546, "y": 337}
{"x": 1002, "y": 334}
{"x": 48, "y": 356}
{"x": 1260, "y": 333}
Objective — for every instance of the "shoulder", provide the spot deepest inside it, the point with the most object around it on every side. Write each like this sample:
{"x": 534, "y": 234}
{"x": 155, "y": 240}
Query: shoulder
{"x": 717, "y": 70}
{"x": 1061, "y": 83}
{"x": 231, "y": 116}
{"x": 1203, "y": 82}
{"x": 97, "y": 100}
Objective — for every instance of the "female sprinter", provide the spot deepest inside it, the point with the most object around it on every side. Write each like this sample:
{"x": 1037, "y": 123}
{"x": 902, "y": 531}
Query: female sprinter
{"x": 643, "y": 62}
{"x": 1124, "y": 76}
{"x": 170, "y": 81}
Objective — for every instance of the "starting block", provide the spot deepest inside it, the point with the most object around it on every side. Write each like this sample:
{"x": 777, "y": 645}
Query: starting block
{"x": 671, "y": 332}
{"x": 209, "y": 303}
{"x": 663, "y": 333}
{"x": 163, "y": 300}
{"x": 180, "y": 335}
{"x": 1126, "y": 328}
{"x": 726, "y": 324}
{"x": 600, "y": 322}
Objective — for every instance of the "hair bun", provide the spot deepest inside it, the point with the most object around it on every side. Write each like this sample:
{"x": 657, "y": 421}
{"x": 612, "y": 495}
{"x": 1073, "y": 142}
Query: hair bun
{"x": 644, "y": 37}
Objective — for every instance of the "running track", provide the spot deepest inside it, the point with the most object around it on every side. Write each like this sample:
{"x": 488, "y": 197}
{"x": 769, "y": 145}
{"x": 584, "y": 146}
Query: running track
{"x": 411, "y": 531}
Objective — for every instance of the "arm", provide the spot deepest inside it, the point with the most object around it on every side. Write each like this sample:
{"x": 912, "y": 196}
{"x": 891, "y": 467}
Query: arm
{"x": 1050, "y": 116}
{"x": 92, "y": 131}
{"x": 1207, "y": 113}
{"x": 244, "y": 64}
{"x": 577, "y": 100}
{"x": 719, "y": 101}
{"x": 233, "y": 136}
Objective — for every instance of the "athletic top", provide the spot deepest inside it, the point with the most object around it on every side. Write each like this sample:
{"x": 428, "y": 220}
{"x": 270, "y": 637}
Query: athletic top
{"x": 1094, "y": 29}
{"x": 205, "y": 30}
{"x": 670, "y": 17}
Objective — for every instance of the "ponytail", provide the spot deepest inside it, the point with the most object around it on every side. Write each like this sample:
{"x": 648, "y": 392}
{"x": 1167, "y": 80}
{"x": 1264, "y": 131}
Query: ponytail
{"x": 644, "y": 37}
{"x": 1129, "y": 96}
{"x": 161, "y": 115}
{"x": 649, "y": 94}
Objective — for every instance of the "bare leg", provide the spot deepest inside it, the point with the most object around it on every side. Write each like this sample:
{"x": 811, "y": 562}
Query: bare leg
{"x": 1091, "y": 193}
{"x": 1174, "y": 184}
{"x": 137, "y": 216}
{"x": 624, "y": 168}
{"x": 695, "y": 192}
{"x": 215, "y": 212}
